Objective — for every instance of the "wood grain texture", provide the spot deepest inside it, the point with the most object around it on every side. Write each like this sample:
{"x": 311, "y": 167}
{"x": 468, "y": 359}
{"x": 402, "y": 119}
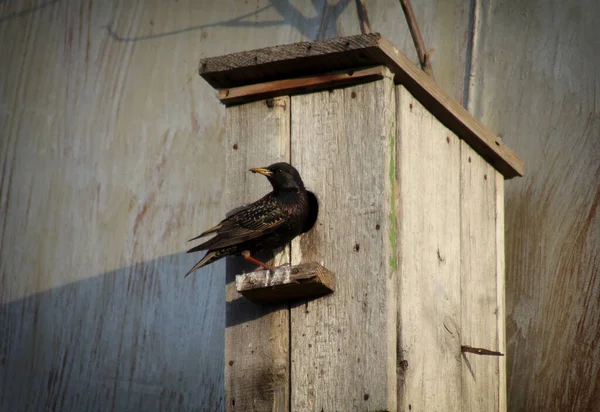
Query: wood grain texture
{"x": 286, "y": 283}
{"x": 103, "y": 178}
{"x": 236, "y": 95}
{"x": 428, "y": 284}
{"x": 257, "y": 337}
{"x": 312, "y": 58}
{"x": 288, "y": 61}
{"x": 344, "y": 346}
{"x": 478, "y": 281}
{"x": 538, "y": 88}
{"x": 500, "y": 292}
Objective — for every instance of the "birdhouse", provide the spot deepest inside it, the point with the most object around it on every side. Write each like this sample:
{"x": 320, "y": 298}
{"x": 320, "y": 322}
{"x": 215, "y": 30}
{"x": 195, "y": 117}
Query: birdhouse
{"x": 411, "y": 223}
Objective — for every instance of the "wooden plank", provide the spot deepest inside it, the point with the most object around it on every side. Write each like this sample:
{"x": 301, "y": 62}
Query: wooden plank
{"x": 286, "y": 283}
{"x": 288, "y": 61}
{"x": 236, "y": 95}
{"x": 256, "y": 337}
{"x": 500, "y": 292}
{"x": 310, "y": 58}
{"x": 428, "y": 284}
{"x": 479, "y": 303}
{"x": 344, "y": 346}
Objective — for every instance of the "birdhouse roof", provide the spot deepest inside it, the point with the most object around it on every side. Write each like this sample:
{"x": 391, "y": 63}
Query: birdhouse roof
{"x": 322, "y": 64}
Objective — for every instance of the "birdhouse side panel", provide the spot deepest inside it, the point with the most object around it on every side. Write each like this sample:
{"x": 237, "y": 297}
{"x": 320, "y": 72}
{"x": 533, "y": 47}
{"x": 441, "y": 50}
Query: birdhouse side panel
{"x": 343, "y": 349}
{"x": 428, "y": 282}
{"x": 256, "y": 336}
{"x": 479, "y": 281}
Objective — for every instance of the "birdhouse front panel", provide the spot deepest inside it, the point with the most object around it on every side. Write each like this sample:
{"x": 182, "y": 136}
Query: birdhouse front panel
{"x": 343, "y": 346}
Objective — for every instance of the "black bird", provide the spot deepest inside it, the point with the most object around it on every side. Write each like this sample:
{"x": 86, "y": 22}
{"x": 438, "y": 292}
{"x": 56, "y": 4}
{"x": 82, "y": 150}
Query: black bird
{"x": 266, "y": 224}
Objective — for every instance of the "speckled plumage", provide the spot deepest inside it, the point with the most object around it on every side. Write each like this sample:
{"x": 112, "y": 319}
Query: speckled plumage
{"x": 266, "y": 224}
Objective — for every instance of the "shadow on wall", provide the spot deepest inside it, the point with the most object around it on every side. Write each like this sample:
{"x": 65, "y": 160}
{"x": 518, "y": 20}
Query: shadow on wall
{"x": 240, "y": 310}
{"x": 139, "y": 338}
{"x": 322, "y": 26}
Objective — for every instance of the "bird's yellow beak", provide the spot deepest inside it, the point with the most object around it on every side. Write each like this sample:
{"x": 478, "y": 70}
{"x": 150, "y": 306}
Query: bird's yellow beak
{"x": 262, "y": 171}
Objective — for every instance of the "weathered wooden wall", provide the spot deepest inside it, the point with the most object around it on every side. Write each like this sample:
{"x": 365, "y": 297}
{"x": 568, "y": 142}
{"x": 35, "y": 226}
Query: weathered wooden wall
{"x": 112, "y": 153}
{"x": 535, "y": 81}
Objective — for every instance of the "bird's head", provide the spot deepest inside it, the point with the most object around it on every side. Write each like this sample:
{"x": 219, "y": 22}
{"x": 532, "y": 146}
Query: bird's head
{"x": 282, "y": 176}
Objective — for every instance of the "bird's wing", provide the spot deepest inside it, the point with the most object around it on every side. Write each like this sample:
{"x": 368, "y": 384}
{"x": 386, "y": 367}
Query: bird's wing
{"x": 261, "y": 217}
{"x": 215, "y": 229}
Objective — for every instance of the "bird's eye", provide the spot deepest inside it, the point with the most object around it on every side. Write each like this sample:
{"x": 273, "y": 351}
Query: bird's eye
{"x": 278, "y": 170}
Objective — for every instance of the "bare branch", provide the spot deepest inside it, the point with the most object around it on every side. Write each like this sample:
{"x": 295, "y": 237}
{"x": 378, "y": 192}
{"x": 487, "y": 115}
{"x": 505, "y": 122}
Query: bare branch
{"x": 416, "y": 35}
{"x": 363, "y": 17}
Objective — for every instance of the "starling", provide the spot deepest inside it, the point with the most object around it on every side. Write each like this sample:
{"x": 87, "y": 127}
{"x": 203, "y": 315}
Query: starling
{"x": 267, "y": 224}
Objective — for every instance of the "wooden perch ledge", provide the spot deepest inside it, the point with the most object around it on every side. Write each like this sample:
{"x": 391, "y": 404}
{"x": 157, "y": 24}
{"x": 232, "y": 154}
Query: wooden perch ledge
{"x": 286, "y": 283}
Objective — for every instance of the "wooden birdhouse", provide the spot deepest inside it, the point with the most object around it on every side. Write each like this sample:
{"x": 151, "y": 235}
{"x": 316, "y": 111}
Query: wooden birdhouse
{"x": 411, "y": 222}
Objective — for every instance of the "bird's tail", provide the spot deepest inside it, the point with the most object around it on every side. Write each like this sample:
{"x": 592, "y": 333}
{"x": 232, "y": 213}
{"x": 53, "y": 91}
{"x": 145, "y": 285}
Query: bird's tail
{"x": 210, "y": 257}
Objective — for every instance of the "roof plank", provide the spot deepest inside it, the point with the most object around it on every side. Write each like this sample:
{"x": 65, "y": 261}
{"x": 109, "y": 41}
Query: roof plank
{"x": 316, "y": 58}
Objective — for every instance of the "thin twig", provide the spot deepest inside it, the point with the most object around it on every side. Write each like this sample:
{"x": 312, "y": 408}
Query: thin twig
{"x": 363, "y": 17}
{"x": 416, "y": 35}
{"x": 480, "y": 351}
